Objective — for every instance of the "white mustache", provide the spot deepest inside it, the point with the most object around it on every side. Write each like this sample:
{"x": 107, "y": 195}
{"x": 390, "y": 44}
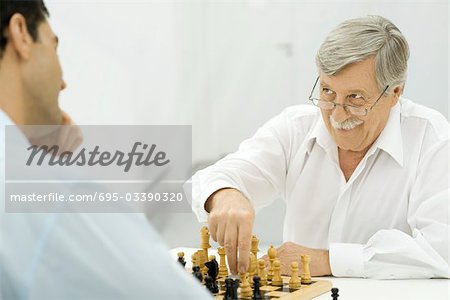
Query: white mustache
{"x": 345, "y": 125}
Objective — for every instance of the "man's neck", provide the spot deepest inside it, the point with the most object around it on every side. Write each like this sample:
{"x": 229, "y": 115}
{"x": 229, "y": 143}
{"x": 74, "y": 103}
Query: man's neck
{"x": 358, "y": 155}
{"x": 349, "y": 160}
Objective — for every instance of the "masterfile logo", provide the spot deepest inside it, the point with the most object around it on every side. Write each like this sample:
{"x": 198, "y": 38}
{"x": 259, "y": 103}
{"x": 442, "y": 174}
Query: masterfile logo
{"x": 147, "y": 157}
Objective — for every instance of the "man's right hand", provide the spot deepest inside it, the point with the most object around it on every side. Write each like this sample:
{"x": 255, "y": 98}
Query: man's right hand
{"x": 230, "y": 220}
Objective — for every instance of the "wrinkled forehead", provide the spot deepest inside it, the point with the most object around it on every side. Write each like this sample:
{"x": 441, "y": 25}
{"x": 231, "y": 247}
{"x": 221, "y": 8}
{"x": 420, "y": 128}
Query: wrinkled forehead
{"x": 357, "y": 76}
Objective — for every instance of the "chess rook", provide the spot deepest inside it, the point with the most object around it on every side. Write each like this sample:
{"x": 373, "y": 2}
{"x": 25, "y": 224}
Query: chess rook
{"x": 306, "y": 274}
{"x": 204, "y": 235}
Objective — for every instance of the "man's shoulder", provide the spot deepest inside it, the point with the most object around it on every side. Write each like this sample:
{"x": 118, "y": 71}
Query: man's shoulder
{"x": 415, "y": 115}
{"x": 301, "y": 115}
{"x": 299, "y": 119}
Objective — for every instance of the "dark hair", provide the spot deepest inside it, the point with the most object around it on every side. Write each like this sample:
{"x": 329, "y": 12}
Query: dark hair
{"x": 34, "y": 12}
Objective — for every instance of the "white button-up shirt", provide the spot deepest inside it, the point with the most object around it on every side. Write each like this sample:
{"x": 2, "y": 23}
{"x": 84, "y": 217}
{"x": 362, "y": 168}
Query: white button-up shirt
{"x": 389, "y": 220}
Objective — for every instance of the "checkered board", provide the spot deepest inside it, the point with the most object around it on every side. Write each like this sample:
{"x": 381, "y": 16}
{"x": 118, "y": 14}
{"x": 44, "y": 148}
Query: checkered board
{"x": 305, "y": 292}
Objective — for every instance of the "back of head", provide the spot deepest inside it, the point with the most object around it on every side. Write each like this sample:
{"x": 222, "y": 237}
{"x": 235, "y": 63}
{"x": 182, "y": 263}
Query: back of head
{"x": 356, "y": 39}
{"x": 34, "y": 12}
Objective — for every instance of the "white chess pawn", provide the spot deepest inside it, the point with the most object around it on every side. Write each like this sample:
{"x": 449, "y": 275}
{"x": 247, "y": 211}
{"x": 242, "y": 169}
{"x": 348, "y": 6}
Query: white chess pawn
{"x": 252, "y": 266}
{"x": 246, "y": 290}
{"x": 294, "y": 282}
{"x": 262, "y": 272}
{"x": 276, "y": 279}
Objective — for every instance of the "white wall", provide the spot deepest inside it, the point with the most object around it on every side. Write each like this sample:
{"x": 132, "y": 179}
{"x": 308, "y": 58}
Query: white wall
{"x": 223, "y": 66}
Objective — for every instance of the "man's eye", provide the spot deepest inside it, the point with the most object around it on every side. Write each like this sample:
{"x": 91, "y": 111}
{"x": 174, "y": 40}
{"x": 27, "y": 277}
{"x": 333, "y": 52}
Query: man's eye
{"x": 327, "y": 91}
{"x": 356, "y": 96}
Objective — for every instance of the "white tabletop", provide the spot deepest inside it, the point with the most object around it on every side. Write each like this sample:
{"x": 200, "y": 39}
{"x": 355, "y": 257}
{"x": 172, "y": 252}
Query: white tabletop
{"x": 365, "y": 289}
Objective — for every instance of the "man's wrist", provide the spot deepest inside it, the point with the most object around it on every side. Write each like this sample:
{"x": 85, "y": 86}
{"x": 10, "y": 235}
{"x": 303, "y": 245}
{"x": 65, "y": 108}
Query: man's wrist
{"x": 209, "y": 203}
{"x": 326, "y": 258}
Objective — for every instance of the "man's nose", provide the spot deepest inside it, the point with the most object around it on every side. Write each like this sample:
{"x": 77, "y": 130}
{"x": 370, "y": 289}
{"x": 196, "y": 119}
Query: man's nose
{"x": 339, "y": 113}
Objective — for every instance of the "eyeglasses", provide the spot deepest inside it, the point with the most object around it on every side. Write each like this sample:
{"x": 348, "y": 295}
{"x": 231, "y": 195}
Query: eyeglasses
{"x": 351, "y": 109}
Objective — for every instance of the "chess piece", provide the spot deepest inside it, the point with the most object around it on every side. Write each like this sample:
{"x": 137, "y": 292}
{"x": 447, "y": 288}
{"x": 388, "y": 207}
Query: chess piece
{"x": 210, "y": 285}
{"x": 194, "y": 260}
{"x": 235, "y": 284}
{"x": 223, "y": 270}
{"x": 294, "y": 282}
{"x": 254, "y": 248}
{"x": 256, "y": 290}
{"x": 197, "y": 273}
{"x": 213, "y": 267}
{"x": 262, "y": 272}
{"x": 306, "y": 274}
{"x": 231, "y": 287}
{"x": 204, "y": 236}
{"x": 272, "y": 253}
{"x": 246, "y": 290}
{"x": 181, "y": 259}
{"x": 276, "y": 279}
{"x": 213, "y": 271}
{"x": 334, "y": 293}
{"x": 252, "y": 266}
{"x": 201, "y": 260}
{"x": 228, "y": 289}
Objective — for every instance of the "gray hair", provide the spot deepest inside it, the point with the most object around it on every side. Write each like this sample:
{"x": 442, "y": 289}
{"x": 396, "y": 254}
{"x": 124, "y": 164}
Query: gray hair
{"x": 356, "y": 39}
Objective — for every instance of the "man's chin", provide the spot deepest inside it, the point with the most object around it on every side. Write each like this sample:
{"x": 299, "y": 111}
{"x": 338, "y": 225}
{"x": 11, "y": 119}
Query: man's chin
{"x": 47, "y": 118}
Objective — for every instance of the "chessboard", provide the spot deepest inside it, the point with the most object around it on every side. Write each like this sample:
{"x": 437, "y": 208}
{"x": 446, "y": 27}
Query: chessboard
{"x": 305, "y": 292}
{"x": 261, "y": 281}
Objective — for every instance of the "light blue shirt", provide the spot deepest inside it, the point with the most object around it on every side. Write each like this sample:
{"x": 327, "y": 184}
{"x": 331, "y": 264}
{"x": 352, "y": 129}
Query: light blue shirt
{"x": 81, "y": 256}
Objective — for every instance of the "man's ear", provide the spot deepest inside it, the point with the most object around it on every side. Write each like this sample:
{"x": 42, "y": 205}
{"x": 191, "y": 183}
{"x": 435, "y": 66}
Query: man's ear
{"x": 19, "y": 37}
{"x": 397, "y": 92}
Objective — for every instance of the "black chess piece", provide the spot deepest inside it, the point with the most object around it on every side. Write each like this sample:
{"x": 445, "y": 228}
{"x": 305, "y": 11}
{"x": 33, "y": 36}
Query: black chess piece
{"x": 182, "y": 261}
{"x": 213, "y": 271}
{"x": 231, "y": 287}
{"x": 256, "y": 291}
{"x": 234, "y": 294}
{"x": 334, "y": 293}
{"x": 228, "y": 289}
{"x": 213, "y": 268}
{"x": 210, "y": 285}
{"x": 197, "y": 273}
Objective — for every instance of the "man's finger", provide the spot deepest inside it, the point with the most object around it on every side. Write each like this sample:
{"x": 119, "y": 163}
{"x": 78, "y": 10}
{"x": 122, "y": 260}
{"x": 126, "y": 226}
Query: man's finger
{"x": 213, "y": 230}
{"x": 230, "y": 246}
{"x": 221, "y": 229}
{"x": 244, "y": 245}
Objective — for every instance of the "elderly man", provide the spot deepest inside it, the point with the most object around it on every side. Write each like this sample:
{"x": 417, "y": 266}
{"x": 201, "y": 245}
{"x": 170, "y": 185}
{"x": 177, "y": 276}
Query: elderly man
{"x": 363, "y": 173}
{"x": 73, "y": 255}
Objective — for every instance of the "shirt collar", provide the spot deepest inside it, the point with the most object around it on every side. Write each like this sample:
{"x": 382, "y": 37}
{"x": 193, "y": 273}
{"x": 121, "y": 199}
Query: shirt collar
{"x": 390, "y": 139}
{"x": 320, "y": 135}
